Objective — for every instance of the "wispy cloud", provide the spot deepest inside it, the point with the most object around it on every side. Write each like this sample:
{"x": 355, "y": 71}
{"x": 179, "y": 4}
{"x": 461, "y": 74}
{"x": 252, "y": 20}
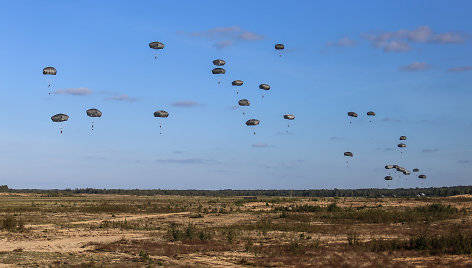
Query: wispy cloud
{"x": 122, "y": 97}
{"x": 388, "y": 119}
{"x": 260, "y": 145}
{"x": 223, "y": 37}
{"x": 196, "y": 161}
{"x": 400, "y": 40}
{"x": 460, "y": 69}
{"x": 81, "y": 91}
{"x": 430, "y": 150}
{"x": 343, "y": 42}
{"x": 415, "y": 66}
{"x": 188, "y": 103}
{"x": 333, "y": 138}
{"x": 463, "y": 161}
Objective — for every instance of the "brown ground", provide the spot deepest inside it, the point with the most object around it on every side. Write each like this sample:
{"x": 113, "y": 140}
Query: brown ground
{"x": 117, "y": 231}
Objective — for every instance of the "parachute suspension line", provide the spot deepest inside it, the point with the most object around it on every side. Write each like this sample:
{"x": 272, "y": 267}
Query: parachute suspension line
{"x": 92, "y": 125}
{"x": 60, "y": 128}
{"x": 347, "y": 163}
{"x": 160, "y": 128}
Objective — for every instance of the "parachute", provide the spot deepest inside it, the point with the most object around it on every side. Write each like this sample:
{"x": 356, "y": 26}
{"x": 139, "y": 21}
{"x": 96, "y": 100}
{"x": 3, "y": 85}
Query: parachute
{"x": 422, "y": 176}
{"x": 219, "y": 62}
{"x": 406, "y": 172}
{"x": 388, "y": 166}
{"x": 161, "y": 114}
{"x": 348, "y": 154}
{"x": 244, "y": 102}
{"x": 402, "y": 138}
{"x": 279, "y": 47}
{"x": 156, "y": 45}
{"x": 58, "y": 118}
{"x": 264, "y": 87}
{"x": 218, "y": 71}
{"x": 388, "y": 178}
{"x": 252, "y": 122}
{"x": 401, "y": 145}
{"x": 47, "y": 72}
{"x": 416, "y": 170}
{"x": 370, "y": 113}
{"x": 237, "y": 83}
{"x": 94, "y": 113}
{"x": 351, "y": 114}
{"x": 289, "y": 117}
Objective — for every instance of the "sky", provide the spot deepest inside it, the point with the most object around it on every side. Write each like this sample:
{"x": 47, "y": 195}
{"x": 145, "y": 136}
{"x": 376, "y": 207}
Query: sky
{"x": 408, "y": 61}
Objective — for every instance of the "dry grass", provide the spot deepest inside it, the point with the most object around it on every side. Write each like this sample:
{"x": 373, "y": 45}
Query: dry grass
{"x": 140, "y": 231}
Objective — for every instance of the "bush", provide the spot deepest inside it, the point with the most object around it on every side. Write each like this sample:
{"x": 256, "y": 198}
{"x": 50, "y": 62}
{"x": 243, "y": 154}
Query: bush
{"x": 10, "y": 223}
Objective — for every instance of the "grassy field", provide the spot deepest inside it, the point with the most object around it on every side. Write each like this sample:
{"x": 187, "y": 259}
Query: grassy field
{"x": 148, "y": 231}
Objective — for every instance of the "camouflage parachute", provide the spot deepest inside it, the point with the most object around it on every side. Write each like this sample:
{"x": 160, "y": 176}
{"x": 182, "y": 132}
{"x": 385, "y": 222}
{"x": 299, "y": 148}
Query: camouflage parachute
{"x": 49, "y": 71}
{"x": 402, "y": 138}
{"x": 59, "y": 117}
{"x": 264, "y": 86}
{"x": 401, "y": 145}
{"x": 352, "y": 114}
{"x": 161, "y": 113}
{"x": 422, "y": 176}
{"x": 348, "y": 154}
{"x": 371, "y": 113}
{"x": 416, "y": 170}
{"x": 237, "y": 83}
{"x": 289, "y": 116}
{"x": 218, "y": 71}
{"x": 156, "y": 45}
{"x": 388, "y": 178}
{"x": 279, "y": 46}
{"x": 252, "y": 122}
{"x": 244, "y": 102}
{"x": 219, "y": 62}
{"x": 94, "y": 113}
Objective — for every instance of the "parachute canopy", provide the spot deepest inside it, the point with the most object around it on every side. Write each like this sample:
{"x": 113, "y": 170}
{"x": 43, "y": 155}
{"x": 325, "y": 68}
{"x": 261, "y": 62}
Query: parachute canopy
{"x": 244, "y": 102}
{"x": 402, "y": 138}
{"x": 416, "y": 170}
{"x": 371, "y": 113}
{"x": 388, "y": 178}
{"x": 401, "y": 145}
{"x": 94, "y": 113}
{"x": 218, "y": 71}
{"x": 279, "y": 46}
{"x": 156, "y": 45}
{"x": 237, "y": 83}
{"x": 219, "y": 62}
{"x": 252, "y": 122}
{"x": 406, "y": 172}
{"x": 388, "y": 166}
{"x": 49, "y": 71}
{"x": 352, "y": 114}
{"x": 289, "y": 116}
{"x": 422, "y": 176}
{"x": 59, "y": 117}
{"x": 161, "y": 113}
{"x": 264, "y": 86}
{"x": 348, "y": 154}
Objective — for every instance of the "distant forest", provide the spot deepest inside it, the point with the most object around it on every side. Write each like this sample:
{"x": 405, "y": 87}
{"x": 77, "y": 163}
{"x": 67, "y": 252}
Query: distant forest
{"x": 371, "y": 192}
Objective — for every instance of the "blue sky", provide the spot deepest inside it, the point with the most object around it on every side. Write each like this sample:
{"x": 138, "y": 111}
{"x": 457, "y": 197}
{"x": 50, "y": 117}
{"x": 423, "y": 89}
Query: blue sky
{"x": 410, "y": 62}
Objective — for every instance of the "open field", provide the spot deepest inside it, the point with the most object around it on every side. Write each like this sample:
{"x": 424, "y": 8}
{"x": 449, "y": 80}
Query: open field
{"x": 84, "y": 230}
